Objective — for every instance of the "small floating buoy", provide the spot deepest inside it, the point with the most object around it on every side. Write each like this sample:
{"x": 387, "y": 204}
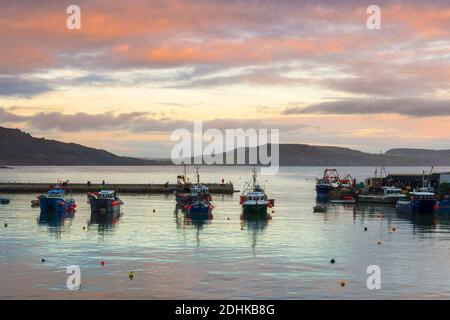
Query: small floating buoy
{"x": 228, "y": 218}
{"x": 332, "y": 261}
{"x": 273, "y": 211}
{"x": 154, "y": 210}
{"x": 379, "y": 242}
{"x": 6, "y": 225}
{"x": 342, "y": 283}
{"x": 378, "y": 215}
{"x": 131, "y": 275}
{"x": 84, "y": 228}
{"x": 394, "y": 229}
{"x": 42, "y": 260}
{"x": 102, "y": 263}
{"x": 365, "y": 228}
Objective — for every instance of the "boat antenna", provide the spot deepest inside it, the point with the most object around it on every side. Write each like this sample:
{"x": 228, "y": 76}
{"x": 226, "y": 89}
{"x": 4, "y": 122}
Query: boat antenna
{"x": 198, "y": 176}
{"x": 254, "y": 176}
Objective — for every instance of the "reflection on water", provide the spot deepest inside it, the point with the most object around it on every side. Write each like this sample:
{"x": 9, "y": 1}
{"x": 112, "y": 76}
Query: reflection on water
{"x": 255, "y": 226}
{"x": 56, "y": 222}
{"x": 186, "y": 221}
{"x": 105, "y": 222}
{"x": 421, "y": 223}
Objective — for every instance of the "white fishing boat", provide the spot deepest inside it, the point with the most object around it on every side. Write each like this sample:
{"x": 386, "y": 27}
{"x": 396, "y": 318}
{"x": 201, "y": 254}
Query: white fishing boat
{"x": 390, "y": 195}
{"x": 254, "y": 200}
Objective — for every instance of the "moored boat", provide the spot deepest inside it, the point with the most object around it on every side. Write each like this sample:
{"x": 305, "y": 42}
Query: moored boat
{"x": 197, "y": 202}
{"x": 55, "y": 201}
{"x": 200, "y": 203}
{"x": 4, "y": 201}
{"x": 254, "y": 200}
{"x": 328, "y": 182}
{"x": 390, "y": 195}
{"x": 105, "y": 201}
{"x": 417, "y": 203}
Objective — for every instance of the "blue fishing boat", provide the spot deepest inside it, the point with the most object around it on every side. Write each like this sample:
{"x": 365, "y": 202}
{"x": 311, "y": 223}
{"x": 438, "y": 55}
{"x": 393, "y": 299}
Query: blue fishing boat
{"x": 328, "y": 182}
{"x": 198, "y": 203}
{"x": 420, "y": 202}
{"x": 55, "y": 201}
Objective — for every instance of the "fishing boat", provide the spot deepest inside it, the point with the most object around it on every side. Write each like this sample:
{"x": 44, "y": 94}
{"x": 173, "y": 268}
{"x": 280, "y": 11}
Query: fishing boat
{"x": 417, "y": 202}
{"x": 328, "y": 182}
{"x": 197, "y": 203}
{"x": 390, "y": 195}
{"x": 254, "y": 200}
{"x": 55, "y": 201}
{"x": 105, "y": 201}
{"x": 4, "y": 201}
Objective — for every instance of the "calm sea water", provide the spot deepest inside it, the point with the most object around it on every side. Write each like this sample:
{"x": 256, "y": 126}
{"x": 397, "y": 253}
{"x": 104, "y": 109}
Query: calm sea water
{"x": 287, "y": 257}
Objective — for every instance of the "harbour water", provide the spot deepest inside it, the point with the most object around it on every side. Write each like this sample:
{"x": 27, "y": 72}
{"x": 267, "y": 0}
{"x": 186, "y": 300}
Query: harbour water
{"x": 287, "y": 257}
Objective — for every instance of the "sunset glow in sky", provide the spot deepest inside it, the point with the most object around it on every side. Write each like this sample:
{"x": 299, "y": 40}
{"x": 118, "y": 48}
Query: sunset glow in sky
{"x": 137, "y": 70}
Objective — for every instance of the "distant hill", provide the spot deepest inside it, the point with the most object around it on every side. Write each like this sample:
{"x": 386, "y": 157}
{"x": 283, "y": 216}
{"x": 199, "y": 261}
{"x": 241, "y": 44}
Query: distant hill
{"x": 307, "y": 155}
{"x": 20, "y": 148}
{"x": 431, "y": 157}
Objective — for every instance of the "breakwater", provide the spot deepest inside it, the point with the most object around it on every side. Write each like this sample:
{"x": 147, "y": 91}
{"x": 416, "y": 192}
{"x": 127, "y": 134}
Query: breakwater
{"x": 155, "y": 188}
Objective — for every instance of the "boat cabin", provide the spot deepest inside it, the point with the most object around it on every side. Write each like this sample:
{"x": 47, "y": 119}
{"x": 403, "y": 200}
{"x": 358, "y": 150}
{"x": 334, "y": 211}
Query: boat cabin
{"x": 256, "y": 196}
{"x": 389, "y": 191}
{"x": 55, "y": 193}
{"x": 196, "y": 189}
{"x": 107, "y": 194}
{"x": 422, "y": 195}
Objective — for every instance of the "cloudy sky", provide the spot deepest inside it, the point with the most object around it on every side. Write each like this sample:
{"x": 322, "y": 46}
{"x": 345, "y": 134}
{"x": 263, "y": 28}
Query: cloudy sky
{"x": 138, "y": 69}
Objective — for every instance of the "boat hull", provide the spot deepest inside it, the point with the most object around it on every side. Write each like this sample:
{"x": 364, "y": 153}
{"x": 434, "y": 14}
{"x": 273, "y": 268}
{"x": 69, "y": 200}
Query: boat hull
{"x": 105, "y": 206}
{"x": 378, "y": 199}
{"x": 199, "y": 211}
{"x": 323, "y": 189}
{"x": 56, "y": 205}
{"x": 254, "y": 209}
{"x": 415, "y": 206}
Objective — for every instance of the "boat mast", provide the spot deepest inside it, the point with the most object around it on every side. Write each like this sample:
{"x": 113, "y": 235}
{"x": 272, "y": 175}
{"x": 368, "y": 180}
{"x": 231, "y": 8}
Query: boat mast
{"x": 254, "y": 177}
{"x": 198, "y": 176}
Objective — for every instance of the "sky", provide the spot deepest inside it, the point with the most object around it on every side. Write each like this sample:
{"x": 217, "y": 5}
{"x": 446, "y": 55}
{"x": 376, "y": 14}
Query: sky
{"x": 137, "y": 70}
